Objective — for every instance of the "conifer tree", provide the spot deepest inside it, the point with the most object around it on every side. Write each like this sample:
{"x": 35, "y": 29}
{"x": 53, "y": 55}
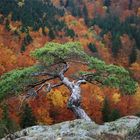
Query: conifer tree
{"x": 62, "y": 3}
{"x": 107, "y": 3}
{"x": 115, "y": 114}
{"x": 5, "y": 117}
{"x": 7, "y": 25}
{"x": 26, "y": 41}
{"x": 116, "y": 44}
{"x": 54, "y": 60}
{"x": 133, "y": 56}
{"x": 85, "y": 15}
{"x": 92, "y": 47}
{"x": 51, "y": 34}
{"x": 70, "y": 33}
{"x": 106, "y": 110}
{"x": 130, "y": 2}
{"x": 7, "y": 126}
{"x": 27, "y": 117}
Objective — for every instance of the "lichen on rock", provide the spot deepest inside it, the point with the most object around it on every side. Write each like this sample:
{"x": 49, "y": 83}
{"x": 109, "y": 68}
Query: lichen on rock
{"x": 80, "y": 130}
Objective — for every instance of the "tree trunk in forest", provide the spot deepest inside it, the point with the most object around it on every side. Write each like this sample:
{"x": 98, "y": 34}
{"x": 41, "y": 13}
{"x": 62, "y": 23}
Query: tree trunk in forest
{"x": 74, "y": 102}
{"x": 130, "y": 4}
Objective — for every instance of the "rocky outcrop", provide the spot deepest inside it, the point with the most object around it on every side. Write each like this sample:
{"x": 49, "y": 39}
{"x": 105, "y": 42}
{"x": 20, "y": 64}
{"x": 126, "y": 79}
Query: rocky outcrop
{"x": 80, "y": 130}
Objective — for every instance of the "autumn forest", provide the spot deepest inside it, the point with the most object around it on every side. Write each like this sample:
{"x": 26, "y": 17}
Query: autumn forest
{"x": 51, "y": 48}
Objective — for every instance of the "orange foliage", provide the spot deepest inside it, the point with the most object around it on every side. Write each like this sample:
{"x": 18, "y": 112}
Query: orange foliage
{"x": 126, "y": 47}
{"x": 14, "y": 109}
{"x": 41, "y": 108}
{"x": 7, "y": 54}
{"x": 92, "y": 101}
{"x": 138, "y": 12}
{"x": 126, "y": 14}
{"x": 136, "y": 103}
{"x": 135, "y": 68}
{"x": 52, "y": 107}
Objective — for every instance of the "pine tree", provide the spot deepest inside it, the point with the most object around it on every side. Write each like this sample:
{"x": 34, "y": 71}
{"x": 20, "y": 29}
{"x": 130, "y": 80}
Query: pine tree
{"x": 23, "y": 48}
{"x": 116, "y": 44}
{"x": 7, "y": 126}
{"x": 85, "y": 15}
{"x": 7, "y": 25}
{"x": 26, "y": 41}
{"x": 92, "y": 47}
{"x": 51, "y": 34}
{"x": 28, "y": 38}
{"x": 130, "y": 4}
{"x": 5, "y": 117}
{"x": 1, "y": 19}
{"x": 107, "y": 3}
{"x": 43, "y": 21}
{"x": 106, "y": 110}
{"x": 133, "y": 56}
{"x": 62, "y": 3}
{"x": 70, "y": 33}
{"x": 53, "y": 63}
{"x": 115, "y": 114}
{"x": 27, "y": 117}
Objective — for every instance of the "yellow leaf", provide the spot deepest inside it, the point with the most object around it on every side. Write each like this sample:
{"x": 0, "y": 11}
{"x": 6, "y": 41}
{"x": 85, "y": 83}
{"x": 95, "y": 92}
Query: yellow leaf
{"x": 116, "y": 97}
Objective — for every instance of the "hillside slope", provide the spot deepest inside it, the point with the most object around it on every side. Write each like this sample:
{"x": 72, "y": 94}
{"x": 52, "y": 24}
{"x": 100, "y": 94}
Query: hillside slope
{"x": 108, "y": 31}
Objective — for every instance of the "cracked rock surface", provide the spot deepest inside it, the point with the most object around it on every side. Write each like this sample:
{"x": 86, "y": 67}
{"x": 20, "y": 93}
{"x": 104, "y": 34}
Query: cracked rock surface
{"x": 121, "y": 129}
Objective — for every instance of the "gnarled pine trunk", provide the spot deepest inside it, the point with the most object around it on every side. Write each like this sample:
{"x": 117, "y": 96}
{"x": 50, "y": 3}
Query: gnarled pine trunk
{"x": 75, "y": 98}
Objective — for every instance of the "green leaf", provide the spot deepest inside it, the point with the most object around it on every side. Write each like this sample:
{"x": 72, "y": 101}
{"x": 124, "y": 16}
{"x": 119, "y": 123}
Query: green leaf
{"x": 54, "y": 52}
{"x": 16, "y": 81}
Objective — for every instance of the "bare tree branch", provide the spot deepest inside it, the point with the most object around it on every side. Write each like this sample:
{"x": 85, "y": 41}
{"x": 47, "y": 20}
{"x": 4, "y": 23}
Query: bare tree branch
{"x": 49, "y": 86}
{"x": 43, "y": 74}
{"x": 57, "y": 85}
{"x": 79, "y": 82}
{"x": 34, "y": 93}
{"x": 64, "y": 79}
{"x": 75, "y": 98}
{"x": 66, "y": 67}
{"x": 76, "y": 61}
{"x": 90, "y": 78}
{"x": 42, "y": 81}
